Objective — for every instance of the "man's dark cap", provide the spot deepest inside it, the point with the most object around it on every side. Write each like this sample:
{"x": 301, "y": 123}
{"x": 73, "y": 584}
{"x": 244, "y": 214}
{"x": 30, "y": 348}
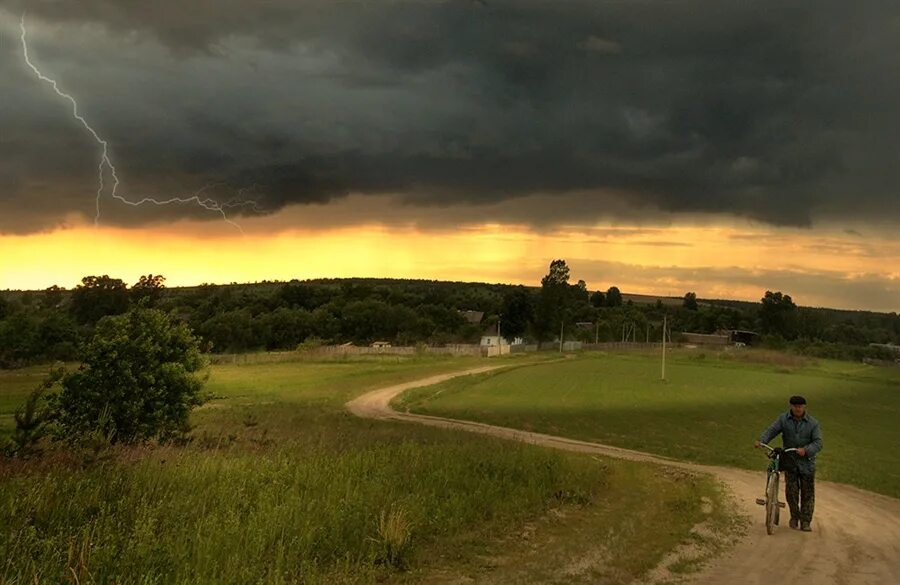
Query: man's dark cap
{"x": 797, "y": 400}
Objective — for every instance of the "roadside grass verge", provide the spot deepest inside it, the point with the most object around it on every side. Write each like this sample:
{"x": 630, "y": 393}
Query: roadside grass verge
{"x": 281, "y": 485}
{"x": 643, "y": 519}
{"x": 709, "y": 410}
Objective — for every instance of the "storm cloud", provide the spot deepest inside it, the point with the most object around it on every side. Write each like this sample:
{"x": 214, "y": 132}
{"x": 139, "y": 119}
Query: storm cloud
{"x": 782, "y": 112}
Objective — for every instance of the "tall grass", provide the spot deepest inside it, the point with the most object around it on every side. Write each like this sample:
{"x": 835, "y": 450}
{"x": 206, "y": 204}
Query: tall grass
{"x": 282, "y": 485}
{"x": 293, "y": 515}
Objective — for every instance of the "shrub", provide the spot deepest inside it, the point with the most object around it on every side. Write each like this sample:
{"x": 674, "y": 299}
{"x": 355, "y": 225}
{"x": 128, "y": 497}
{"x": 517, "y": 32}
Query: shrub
{"x": 138, "y": 380}
{"x": 32, "y": 419}
{"x": 311, "y": 344}
{"x": 392, "y": 544}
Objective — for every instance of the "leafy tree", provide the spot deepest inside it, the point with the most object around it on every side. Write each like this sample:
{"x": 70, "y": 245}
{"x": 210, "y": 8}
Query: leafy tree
{"x": 97, "y": 297}
{"x": 230, "y": 331}
{"x": 810, "y": 323}
{"x": 613, "y": 297}
{"x": 148, "y": 289}
{"x": 410, "y": 326}
{"x": 598, "y": 299}
{"x": 778, "y": 315}
{"x": 57, "y": 336}
{"x": 690, "y": 301}
{"x": 326, "y": 323}
{"x": 365, "y": 321}
{"x": 580, "y": 292}
{"x": 446, "y": 321}
{"x": 845, "y": 332}
{"x": 138, "y": 380}
{"x": 52, "y": 297}
{"x": 283, "y": 328}
{"x": 558, "y": 274}
{"x": 306, "y": 296}
{"x": 19, "y": 339}
{"x": 33, "y": 418}
{"x": 517, "y": 312}
{"x": 553, "y": 301}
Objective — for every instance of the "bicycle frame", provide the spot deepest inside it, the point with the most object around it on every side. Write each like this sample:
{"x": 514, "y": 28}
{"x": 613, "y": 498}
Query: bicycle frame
{"x": 773, "y": 506}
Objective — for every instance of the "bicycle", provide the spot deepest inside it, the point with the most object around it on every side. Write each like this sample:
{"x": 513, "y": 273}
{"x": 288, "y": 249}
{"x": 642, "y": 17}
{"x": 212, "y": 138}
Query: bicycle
{"x": 773, "y": 506}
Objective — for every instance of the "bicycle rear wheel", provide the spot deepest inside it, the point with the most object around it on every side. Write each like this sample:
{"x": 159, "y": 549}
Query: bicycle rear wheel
{"x": 771, "y": 503}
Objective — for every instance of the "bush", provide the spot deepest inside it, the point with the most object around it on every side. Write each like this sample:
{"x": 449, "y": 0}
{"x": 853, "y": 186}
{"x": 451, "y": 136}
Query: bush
{"x": 842, "y": 351}
{"x": 32, "y": 419}
{"x": 393, "y": 543}
{"x": 310, "y": 344}
{"x": 138, "y": 380}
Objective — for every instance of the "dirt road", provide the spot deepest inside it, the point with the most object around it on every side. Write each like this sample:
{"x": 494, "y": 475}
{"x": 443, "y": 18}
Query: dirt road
{"x": 856, "y": 537}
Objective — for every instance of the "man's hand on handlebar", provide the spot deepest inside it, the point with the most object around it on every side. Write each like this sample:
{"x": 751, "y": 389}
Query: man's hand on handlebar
{"x": 757, "y": 444}
{"x": 801, "y": 451}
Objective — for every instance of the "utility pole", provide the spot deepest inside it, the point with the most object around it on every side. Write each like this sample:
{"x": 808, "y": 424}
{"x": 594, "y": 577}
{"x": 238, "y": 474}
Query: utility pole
{"x": 597, "y": 333}
{"x": 499, "y": 343}
{"x": 664, "y": 349}
{"x": 561, "y": 325}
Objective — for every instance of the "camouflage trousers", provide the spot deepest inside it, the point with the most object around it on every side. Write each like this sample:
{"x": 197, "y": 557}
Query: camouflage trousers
{"x": 800, "y": 493}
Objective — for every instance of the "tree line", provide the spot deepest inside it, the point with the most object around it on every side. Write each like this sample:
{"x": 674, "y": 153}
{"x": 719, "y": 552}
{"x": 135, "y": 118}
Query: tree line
{"x": 40, "y": 326}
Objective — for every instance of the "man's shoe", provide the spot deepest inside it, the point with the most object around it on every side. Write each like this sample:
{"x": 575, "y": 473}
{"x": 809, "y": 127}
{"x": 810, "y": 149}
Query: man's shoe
{"x": 794, "y": 523}
{"x": 805, "y": 527}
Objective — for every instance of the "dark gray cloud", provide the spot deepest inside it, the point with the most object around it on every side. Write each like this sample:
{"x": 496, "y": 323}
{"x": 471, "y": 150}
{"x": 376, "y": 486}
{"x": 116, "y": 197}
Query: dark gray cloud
{"x": 783, "y": 112}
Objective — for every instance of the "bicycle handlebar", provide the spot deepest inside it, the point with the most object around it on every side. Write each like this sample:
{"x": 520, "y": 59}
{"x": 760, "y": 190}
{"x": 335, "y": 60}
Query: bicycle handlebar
{"x": 783, "y": 450}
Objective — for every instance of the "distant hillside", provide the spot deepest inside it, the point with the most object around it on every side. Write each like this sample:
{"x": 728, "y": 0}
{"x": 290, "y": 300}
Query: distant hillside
{"x": 51, "y": 324}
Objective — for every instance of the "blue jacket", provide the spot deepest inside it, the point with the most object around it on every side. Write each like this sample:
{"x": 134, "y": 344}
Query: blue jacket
{"x": 797, "y": 433}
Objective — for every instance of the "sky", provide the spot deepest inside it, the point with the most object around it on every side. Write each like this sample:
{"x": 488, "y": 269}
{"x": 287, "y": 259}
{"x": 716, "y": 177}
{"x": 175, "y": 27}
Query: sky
{"x": 723, "y": 147}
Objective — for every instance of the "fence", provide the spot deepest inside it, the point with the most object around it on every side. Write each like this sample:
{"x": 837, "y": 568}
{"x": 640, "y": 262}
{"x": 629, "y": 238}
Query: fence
{"x": 456, "y": 350}
{"x": 625, "y": 345}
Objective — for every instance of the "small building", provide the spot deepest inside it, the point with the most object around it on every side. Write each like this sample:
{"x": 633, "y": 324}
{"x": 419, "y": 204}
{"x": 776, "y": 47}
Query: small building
{"x": 743, "y": 337}
{"x": 472, "y": 317}
{"x": 380, "y": 344}
{"x": 706, "y": 339}
{"x": 493, "y": 345}
{"x": 492, "y": 340}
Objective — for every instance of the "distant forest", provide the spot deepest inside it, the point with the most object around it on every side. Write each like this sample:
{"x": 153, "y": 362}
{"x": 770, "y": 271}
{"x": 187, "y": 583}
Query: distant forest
{"x": 48, "y": 325}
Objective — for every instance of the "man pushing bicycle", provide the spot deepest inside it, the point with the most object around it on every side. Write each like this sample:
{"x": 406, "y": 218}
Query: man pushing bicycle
{"x": 801, "y": 431}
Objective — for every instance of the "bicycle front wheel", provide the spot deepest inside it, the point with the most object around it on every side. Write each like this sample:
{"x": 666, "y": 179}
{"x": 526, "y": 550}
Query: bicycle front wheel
{"x": 771, "y": 503}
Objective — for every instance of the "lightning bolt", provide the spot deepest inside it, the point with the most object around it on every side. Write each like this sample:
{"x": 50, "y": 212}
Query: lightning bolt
{"x": 106, "y": 164}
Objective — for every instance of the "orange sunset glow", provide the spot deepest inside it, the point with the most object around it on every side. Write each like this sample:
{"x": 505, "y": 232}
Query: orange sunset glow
{"x": 717, "y": 261}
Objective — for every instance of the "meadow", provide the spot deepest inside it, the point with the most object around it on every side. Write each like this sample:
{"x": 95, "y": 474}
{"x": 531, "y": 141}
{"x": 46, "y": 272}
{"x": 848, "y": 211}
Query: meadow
{"x": 280, "y": 484}
{"x": 710, "y": 408}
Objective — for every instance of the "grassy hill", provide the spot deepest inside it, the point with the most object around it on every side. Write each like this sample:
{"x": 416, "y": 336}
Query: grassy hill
{"x": 710, "y": 409}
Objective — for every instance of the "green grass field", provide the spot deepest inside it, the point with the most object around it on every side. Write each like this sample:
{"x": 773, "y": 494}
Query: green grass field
{"x": 710, "y": 410}
{"x": 282, "y": 485}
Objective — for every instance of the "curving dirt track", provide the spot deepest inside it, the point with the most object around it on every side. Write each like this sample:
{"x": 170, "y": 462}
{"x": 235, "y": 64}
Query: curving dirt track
{"x": 855, "y": 538}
